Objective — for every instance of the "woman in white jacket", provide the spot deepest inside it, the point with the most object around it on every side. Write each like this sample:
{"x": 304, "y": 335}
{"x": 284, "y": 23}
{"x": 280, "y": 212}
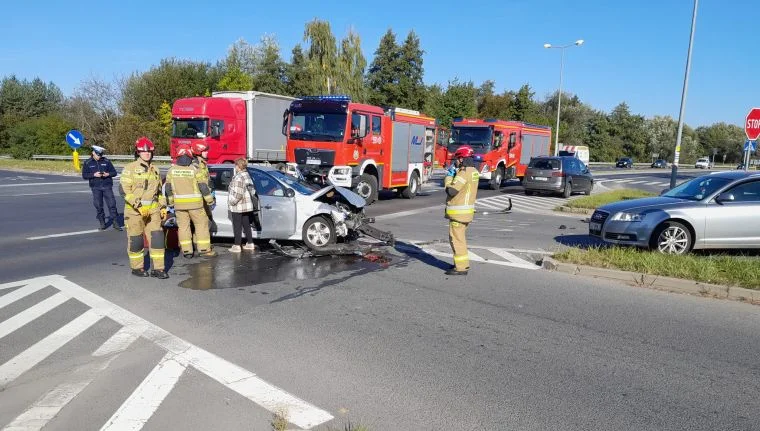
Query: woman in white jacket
{"x": 242, "y": 206}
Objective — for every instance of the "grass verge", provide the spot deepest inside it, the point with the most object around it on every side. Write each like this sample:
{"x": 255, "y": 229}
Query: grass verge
{"x": 51, "y": 166}
{"x": 595, "y": 201}
{"x": 715, "y": 269}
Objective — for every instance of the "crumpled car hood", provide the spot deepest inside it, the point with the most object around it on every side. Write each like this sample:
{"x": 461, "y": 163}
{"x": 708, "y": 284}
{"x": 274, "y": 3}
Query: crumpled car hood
{"x": 351, "y": 197}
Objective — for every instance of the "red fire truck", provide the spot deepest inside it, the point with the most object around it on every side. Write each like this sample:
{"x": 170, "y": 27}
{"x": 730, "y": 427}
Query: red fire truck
{"x": 502, "y": 148}
{"x": 234, "y": 124}
{"x": 358, "y": 146}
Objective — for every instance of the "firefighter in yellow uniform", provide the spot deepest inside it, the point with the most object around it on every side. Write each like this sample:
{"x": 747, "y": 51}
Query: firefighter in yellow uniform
{"x": 461, "y": 186}
{"x": 200, "y": 161}
{"x": 186, "y": 190}
{"x": 144, "y": 209}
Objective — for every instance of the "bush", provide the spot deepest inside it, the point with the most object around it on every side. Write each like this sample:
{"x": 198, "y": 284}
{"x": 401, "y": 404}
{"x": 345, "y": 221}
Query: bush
{"x": 41, "y": 135}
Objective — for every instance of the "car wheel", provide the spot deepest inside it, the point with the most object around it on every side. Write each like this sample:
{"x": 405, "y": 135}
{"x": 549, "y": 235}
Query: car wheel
{"x": 568, "y": 191}
{"x": 588, "y": 192}
{"x": 411, "y": 190}
{"x": 365, "y": 185}
{"x": 318, "y": 233}
{"x": 672, "y": 237}
{"x": 497, "y": 179}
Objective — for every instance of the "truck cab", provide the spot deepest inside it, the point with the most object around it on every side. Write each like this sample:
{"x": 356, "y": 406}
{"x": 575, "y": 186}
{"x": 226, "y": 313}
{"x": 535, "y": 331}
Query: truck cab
{"x": 214, "y": 121}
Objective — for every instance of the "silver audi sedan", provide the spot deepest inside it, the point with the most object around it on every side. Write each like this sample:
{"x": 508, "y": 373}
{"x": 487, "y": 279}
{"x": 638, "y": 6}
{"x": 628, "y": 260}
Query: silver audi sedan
{"x": 720, "y": 210}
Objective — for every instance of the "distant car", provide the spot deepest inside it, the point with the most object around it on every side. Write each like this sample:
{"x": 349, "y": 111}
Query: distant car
{"x": 717, "y": 211}
{"x": 624, "y": 162}
{"x": 565, "y": 175}
{"x": 703, "y": 163}
{"x": 659, "y": 164}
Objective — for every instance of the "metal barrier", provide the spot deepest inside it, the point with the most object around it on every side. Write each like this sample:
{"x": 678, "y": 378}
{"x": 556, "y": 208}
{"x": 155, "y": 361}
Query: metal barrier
{"x": 87, "y": 156}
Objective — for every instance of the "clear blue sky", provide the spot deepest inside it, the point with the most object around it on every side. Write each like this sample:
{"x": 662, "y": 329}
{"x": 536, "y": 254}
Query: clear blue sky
{"x": 635, "y": 51}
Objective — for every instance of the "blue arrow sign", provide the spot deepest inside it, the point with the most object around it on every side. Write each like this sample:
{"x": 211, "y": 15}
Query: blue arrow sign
{"x": 75, "y": 139}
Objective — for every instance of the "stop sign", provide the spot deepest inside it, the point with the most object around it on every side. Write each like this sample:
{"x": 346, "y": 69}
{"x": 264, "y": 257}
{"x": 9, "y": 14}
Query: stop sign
{"x": 752, "y": 124}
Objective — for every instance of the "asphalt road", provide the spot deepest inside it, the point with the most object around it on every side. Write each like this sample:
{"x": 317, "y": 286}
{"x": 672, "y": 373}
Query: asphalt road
{"x": 385, "y": 340}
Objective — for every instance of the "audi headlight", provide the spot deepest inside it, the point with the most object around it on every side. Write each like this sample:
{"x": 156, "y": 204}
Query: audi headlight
{"x": 629, "y": 217}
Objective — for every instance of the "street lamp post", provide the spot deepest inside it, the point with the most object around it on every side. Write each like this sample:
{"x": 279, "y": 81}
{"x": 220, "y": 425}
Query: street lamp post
{"x": 677, "y": 153}
{"x": 578, "y": 42}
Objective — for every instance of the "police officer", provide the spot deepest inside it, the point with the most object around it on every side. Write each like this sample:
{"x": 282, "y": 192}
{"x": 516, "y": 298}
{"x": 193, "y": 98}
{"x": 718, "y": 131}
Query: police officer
{"x": 144, "y": 208}
{"x": 461, "y": 185}
{"x": 186, "y": 190}
{"x": 99, "y": 171}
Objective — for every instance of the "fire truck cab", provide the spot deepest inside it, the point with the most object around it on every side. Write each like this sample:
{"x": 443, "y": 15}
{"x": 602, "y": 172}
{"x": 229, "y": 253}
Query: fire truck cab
{"x": 503, "y": 149}
{"x": 363, "y": 147}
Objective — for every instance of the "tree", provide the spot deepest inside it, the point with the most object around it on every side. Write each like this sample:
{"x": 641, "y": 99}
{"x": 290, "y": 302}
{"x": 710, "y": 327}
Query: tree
{"x": 39, "y": 135}
{"x": 22, "y": 100}
{"x": 351, "y": 65}
{"x": 321, "y": 55}
{"x": 94, "y": 109}
{"x": 165, "y": 117}
{"x": 728, "y": 139}
{"x": 525, "y": 107}
{"x": 411, "y": 87}
{"x": 491, "y": 105}
{"x": 383, "y": 74}
{"x": 270, "y": 69}
{"x": 235, "y": 79}
{"x": 459, "y": 100}
{"x": 298, "y": 82}
{"x": 172, "y": 79}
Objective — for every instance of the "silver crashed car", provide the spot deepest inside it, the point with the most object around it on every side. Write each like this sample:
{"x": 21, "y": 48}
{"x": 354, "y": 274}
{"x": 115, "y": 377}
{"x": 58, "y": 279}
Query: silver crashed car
{"x": 292, "y": 209}
{"x": 720, "y": 210}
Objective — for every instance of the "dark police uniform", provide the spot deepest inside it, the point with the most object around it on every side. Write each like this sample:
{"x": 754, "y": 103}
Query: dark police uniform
{"x": 102, "y": 188}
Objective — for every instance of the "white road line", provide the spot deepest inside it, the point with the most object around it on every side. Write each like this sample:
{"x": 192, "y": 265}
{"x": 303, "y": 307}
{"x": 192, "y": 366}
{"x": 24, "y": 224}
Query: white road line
{"x": 653, "y": 183}
{"x": 489, "y": 205}
{"x": 49, "y": 405}
{"x": 10, "y": 298}
{"x": 238, "y": 379}
{"x": 409, "y": 212}
{"x": 32, "y": 356}
{"x": 58, "y": 235}
{"x": 47, "y": 193}
{"x": 508, "y": 256}
{"x": 622, "y": 181}
{"x": 31, "y": 313}
{"x": 475, "y": 258}
{"x": 84, "y": 183}
{"x": 144, "y": 401}
{"x": 637, "y": 182}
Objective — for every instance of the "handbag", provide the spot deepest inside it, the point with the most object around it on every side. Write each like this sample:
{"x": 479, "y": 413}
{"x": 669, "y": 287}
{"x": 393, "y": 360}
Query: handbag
{"x": 254, "y": 195}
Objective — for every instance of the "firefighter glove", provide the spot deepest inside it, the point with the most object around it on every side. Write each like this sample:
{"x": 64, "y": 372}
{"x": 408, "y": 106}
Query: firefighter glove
{"x": 163, "y": 213}
{"x": 144, "y": 211}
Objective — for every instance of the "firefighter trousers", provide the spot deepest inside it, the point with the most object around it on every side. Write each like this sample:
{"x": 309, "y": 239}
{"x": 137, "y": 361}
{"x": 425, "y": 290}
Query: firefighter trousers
{"x": 202, "y": 238}
{"x": 142, "y": 229}
{"x": 458, "y": 241}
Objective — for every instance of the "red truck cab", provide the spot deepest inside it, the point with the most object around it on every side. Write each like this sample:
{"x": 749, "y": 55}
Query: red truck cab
{"x": 503, "y": 149}
{"x": 206, "y": 119}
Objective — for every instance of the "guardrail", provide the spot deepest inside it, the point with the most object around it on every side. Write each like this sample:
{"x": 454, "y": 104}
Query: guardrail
{"x": 85, "y": 157}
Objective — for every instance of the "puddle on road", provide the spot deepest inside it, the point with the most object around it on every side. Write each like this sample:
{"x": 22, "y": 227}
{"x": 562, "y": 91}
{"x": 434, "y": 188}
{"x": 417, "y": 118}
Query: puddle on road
{"x": 250, "y": 269}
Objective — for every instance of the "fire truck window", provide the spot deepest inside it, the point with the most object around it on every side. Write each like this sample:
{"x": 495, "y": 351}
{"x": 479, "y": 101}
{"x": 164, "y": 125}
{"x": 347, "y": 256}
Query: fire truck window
{"x": 376, "y": 125}
{"x": 356, "y": 122}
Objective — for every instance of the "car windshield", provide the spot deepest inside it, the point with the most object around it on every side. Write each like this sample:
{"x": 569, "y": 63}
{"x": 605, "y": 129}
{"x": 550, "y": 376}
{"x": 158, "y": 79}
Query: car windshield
{"x": 698, "y": 188}
{"x": 552, "y": 164}
{"x": 473, "y": 136}
{"x": 318, "y": 126}
{"x": 297, "y": 184}
{"x": 189, "y": 128}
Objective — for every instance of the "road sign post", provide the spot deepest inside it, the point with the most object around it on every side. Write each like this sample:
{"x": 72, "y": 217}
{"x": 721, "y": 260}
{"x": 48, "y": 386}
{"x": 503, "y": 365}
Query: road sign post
{"x": 75, "y": 139}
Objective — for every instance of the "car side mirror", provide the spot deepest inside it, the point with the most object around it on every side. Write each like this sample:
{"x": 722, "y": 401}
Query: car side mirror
{"x": 285, "y": 116}
{"x": 290, "y": 192}
{"x": 725, "y": 197}
{"x": 216, "y": 130}
{"x": 665, "y": 190}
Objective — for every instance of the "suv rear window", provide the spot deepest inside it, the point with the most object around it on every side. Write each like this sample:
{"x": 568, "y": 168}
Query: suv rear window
{"x": 553, "y": 164}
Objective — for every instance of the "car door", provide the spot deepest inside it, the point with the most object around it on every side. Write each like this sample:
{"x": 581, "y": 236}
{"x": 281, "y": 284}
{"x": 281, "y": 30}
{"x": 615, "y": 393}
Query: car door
{"x": 220, "y": 180}
{"x": 734, "y": 223}
{"x": 278, "y": 210}
{"x": 573, "y": 174}
{"x": 585, "y": 176}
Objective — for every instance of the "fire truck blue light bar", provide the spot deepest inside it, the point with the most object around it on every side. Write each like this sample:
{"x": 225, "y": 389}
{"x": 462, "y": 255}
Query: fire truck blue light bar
{"x": 334, "y": 98}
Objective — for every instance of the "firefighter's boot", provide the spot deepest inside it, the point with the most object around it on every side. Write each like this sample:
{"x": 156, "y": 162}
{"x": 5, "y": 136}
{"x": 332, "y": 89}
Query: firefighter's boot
{"x": 159, "y": 273}
{"x": 140, "y": 272}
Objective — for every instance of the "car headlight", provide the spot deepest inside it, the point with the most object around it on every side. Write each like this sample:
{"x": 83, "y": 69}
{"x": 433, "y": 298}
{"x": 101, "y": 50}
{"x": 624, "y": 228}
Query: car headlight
{"x": 630, "y": 217}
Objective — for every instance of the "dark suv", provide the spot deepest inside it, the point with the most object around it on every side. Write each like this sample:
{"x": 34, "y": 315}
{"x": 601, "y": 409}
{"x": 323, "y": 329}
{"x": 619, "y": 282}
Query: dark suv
{"x": 564, "y": 174}
{"x": 624, "y": 162}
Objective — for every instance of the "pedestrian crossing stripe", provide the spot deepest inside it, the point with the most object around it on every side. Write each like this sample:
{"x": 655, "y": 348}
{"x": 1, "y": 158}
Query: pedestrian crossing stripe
{"x": 477, "y": 254}
{"x": 149, "y": 395}
{"x": 521, "y": 203}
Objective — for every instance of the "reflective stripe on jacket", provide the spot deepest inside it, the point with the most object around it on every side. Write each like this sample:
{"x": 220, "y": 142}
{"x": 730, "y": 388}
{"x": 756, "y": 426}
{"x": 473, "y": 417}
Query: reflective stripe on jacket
{"x": 461, "y": 206}
{"x": 140, "y": 185}
{"x": 187, "y": 188}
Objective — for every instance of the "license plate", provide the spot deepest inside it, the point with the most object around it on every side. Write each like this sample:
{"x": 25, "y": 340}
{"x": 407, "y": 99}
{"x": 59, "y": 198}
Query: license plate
{"x": 595, "y": 227}
{"x": 540, "y": 178}
{"x": 311, "y": 161}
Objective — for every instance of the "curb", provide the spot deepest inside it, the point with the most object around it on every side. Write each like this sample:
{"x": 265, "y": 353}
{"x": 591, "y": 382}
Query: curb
{"x": 657, "y": 282}
{"x": 564, "y": 209}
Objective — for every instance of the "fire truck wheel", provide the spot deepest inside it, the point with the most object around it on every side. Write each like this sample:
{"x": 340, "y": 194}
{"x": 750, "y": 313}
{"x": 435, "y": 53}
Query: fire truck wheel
{"x": 498, "y": 178}
{"x": 410, "y": 191}
{"x": 365, "y": 185}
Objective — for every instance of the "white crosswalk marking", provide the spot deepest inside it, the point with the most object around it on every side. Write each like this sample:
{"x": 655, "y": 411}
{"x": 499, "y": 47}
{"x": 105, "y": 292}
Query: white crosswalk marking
{"x": 520, "y": 203}
{"x": 141, "y": 404}
{"x": 476, "y": 255}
